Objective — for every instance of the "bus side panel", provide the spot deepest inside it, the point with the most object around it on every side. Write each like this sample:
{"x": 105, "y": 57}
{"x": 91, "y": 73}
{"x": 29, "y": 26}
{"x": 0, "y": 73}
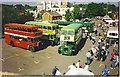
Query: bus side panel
{"x": 7, "y": 39}
{"x": 24, "y": 44}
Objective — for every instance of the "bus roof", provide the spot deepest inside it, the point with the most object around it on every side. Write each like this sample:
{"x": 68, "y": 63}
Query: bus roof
{"x": 40, "y": 23}
{"x": 73, "y": 26}
{"x": 21, "y": 25}
{"x": 68, "y": 22}
{"x": 64, "y": 22}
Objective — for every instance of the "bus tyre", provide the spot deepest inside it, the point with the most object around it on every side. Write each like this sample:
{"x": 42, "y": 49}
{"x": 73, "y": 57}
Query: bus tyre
{"x": 52, "y": 43}
{"x": 11, "y": 43}
{"x": 31, "y": 48}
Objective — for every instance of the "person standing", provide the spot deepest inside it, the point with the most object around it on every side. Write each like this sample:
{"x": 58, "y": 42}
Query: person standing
{"x": 54, "y": 70}
{"x": 72, "y": 66}
{"x": 105, "y": 71}
{"x": 88, "y": 55}
{"x": 90, "y": 36}
{"x": 78, "y": 64}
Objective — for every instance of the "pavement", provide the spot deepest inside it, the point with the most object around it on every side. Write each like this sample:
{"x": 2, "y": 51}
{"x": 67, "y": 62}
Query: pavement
{"x": 23, "y": 62}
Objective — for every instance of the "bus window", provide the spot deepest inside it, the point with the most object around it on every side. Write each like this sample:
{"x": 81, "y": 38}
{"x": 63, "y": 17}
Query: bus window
{"x": 44, "y": 27}
{"x": 113, "y": 34}
{"x": 57, "y": 27}
{"x": 70, "y": 33}
{"x": 63, "y": 32}
{"x": 53, "y": 28}
{"x": 35, "y": 30}
{"x": 29, "y": 30}
{"x": 49, "y": 28}
{"x": 29, "y": 40}
{"x": 24, "y": 39}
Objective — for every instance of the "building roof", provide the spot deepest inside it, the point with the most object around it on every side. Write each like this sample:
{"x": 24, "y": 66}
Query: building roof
{"x": 54, "y": 13}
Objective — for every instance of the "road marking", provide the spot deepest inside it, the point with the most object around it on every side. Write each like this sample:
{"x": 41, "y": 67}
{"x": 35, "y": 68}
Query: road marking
{"x": 36, "y": 62}
{"x": 101, "y": 65}
{"x": 2, "y": 59}
{"x": 16, "y": 55}
{"x": 48, "y": 57}
{"x": 20, "y": 69}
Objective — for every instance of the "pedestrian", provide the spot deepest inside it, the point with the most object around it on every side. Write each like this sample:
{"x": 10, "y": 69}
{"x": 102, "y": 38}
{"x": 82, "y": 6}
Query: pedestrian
{"x": 99, "y": 41}
{"x": 103, "y": 53}
{"x": 90, "y": 36}
{"x": 114, "y": 45}
{"x": 107, "y": 49}
{"x": 107, "y": 40}
{"x": 94, "y": 50}
{"x": 86, "y": 66}
{"x": 72, "y": 66}
{"x": 93, "y": 38}
{"x": 88, "y": 55}
{"x": 114, "y": 60}
{"x": 78, "y": 64}
{"x": 96, "y": 32}
{"x": 102, "y": 42}
{"x": 54, "y": 70}
{"x": 117, "y": 59}
{"x": 112, "y": 55}
{"x": 105, "y": 71}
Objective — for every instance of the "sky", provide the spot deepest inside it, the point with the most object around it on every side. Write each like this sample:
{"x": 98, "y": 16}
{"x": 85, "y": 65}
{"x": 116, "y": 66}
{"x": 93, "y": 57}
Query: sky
{"x": 33, "y": 2}
{"x": 60, "y": 0}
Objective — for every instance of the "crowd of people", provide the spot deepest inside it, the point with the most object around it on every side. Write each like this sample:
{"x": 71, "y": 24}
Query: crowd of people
{"x": 99, "y": 51}
{"x": 101, "y": 48}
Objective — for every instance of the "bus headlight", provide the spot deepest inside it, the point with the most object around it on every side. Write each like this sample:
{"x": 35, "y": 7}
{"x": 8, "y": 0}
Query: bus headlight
{"x": 73, "y": 50}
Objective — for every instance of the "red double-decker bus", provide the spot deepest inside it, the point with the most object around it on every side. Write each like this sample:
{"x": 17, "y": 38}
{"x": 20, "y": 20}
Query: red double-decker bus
{"x": 24, "y": 36}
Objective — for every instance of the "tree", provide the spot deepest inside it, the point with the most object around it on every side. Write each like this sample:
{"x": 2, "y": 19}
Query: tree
{"x": 68, "y": 15}
{"x": 76, "y": 12}
{"x": 94, "y": 9}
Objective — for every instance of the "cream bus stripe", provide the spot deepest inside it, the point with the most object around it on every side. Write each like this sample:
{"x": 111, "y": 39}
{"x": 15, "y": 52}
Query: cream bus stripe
{"x": 15, "y": 34}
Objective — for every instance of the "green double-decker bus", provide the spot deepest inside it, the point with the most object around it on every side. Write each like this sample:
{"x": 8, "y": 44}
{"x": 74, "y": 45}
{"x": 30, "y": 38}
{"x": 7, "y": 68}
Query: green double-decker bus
{"x": 70, "y": 37}
{"x": 50, "y": 31}
{"x": 87, "y": 26}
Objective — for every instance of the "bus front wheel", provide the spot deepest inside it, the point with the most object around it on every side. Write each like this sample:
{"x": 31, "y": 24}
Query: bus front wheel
{"x": 31, "y": 48}
{"x": 11, "y": 43}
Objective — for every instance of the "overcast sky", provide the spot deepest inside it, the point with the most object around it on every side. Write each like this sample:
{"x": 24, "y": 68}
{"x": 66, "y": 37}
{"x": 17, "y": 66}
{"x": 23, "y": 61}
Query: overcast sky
{"x": 60, "y": 0}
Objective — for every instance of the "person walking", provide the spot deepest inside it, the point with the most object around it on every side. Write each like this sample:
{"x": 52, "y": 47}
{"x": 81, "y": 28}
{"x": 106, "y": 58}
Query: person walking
{"x": 105, "y": 71}
{"x": 112, "y": 55}
{"x": 54, "y": 70}
{"x": 103, "y": 55}
{"x": 90, "y": 36}
{"x": 88, "y": 56}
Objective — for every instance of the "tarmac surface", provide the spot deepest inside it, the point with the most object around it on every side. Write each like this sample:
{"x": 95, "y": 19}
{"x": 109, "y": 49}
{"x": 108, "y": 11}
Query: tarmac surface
{"x": 24, "y": 62}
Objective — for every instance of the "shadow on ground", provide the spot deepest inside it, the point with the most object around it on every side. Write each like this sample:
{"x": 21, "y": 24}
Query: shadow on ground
{"x": 80, "y": 45}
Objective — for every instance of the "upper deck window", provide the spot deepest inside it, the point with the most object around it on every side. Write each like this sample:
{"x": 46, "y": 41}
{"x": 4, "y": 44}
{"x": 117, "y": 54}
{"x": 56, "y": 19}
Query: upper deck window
{"x": 63, "y": 32}
{"x": 70, "y": 33}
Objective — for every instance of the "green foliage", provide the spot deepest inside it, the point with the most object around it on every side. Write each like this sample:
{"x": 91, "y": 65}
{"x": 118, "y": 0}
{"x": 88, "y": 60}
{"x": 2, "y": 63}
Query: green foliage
{"x": 76, "y": 12}
{"x": 68, "y": 15}
{"x": 15, "y": 14}
{"x": 99, "y": 9}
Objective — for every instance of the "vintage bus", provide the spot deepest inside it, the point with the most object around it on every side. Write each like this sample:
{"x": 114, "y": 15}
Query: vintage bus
{"x": 88, "y": 27}
{"x": 70, "y": 37}
{"x": 24, "y": 36}
{"x": 50, "y": 31}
